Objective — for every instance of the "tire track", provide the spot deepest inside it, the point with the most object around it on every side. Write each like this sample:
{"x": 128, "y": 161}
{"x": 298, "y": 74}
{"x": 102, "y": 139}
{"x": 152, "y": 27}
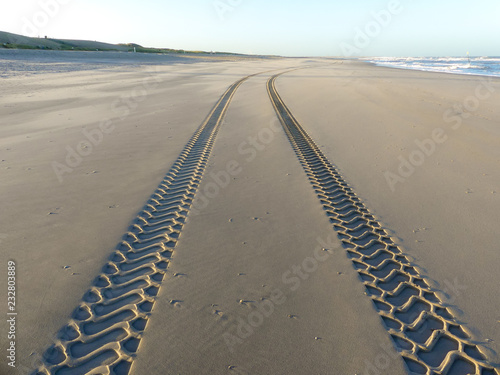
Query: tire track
{"x": 424, "y": 331}
{"x": 105, "y": 330}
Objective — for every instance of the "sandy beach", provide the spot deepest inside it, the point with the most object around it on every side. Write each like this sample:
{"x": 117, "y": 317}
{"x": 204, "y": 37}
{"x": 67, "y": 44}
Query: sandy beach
{"x": 162, "y": 221}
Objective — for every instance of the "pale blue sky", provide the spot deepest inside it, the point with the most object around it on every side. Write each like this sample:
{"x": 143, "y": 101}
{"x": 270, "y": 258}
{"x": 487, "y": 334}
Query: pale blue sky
{"x": 284, "y": 27}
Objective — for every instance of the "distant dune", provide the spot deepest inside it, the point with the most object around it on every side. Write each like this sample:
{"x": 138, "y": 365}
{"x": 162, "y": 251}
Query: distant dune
{"x": 14, "y": 41}
{"x": 9, "y": 40}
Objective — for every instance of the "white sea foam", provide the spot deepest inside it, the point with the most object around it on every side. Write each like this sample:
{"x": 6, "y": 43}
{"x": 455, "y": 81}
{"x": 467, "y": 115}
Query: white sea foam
{"x": 484, "y": 65}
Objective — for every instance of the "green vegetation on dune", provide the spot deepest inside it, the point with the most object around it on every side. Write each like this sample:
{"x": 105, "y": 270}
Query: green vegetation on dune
{"x": 14, "y": 41}
{"x": 138, "y": 48}
{"x": 17, "y": 46}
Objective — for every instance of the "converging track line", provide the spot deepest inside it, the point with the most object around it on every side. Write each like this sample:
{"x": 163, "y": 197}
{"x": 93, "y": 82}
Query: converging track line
{"x": 424, "y": 331}
{"x": 105, "y": 330}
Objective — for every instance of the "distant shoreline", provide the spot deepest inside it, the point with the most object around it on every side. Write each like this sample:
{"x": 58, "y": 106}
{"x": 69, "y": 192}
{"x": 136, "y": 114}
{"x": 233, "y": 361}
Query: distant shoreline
{"x": 26, "y": 62}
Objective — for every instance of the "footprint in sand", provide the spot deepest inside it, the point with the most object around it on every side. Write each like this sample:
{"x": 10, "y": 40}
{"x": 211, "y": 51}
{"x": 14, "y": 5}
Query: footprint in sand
{"x": 176, "y": 303}
{"x": 246, "y": 303}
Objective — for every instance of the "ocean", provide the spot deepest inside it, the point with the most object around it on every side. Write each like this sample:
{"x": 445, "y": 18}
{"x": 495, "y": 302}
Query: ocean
{"x": 484, "y": 66}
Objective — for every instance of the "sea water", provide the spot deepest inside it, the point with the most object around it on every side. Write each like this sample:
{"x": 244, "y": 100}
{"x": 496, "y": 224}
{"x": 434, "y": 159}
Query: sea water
{"x": 485, "y": 66}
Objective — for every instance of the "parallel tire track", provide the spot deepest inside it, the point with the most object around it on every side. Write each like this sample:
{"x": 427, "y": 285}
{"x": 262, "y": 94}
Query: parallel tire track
{"x": 424, "y": 331}
{"x": 105, "y": 331}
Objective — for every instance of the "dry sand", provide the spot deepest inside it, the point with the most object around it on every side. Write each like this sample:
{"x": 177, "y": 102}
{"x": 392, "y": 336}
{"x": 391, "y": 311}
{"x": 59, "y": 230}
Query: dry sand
{"x": 235, "y": 257}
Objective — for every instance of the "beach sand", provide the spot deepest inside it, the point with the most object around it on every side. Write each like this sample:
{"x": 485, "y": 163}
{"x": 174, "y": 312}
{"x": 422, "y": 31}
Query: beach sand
{"x": 259, "y": 282}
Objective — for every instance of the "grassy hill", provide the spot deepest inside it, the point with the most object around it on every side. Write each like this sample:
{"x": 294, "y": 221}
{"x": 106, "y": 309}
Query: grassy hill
{"x": 9, "y": 40}
{"x": 14, "y": 41}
